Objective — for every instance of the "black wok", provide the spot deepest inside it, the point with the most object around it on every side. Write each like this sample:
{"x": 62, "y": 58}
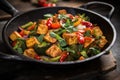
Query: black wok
{"x": 33, "y": 15}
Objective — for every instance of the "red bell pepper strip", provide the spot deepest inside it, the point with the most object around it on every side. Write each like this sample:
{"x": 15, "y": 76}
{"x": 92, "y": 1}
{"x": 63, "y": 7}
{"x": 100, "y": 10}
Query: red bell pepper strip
{"x": 37, "y": 57}
{"x": 63, "y": 57}
{"x": 21, "y": 33}
{"x": 31, "y": 27}
{"x": 55, "y": 25}
{"x": 81, "y": 39}
{"x": 49, "y": 23}
{"x": 14, "y": 43}
{"x": 80, "y": 36}
{"x": 87, "y": 24}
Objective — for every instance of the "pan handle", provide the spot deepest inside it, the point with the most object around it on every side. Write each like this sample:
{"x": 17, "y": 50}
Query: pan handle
{"x": 7, "y": 7}
{"x": 109, "y": 15}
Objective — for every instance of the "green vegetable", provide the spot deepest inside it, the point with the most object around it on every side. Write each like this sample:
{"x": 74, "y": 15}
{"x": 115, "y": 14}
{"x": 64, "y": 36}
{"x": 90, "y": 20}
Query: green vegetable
{"x": 41, "y": 48}
{"x": 94, "y": 50}
{"x": 61, "y": 41}
{"x": 48, "y": 15}
{"x": 33, "y": 33}
{"x": 68, "y": 26}
{"x": 69, "y": 50}
{"x": 40, "y": 38}
{"x": 84, "y": 54}
{"x": 80, "y": 47}
{"x": 55, "y": 59}
{"x": 20, "y": 45}
{"x": 87, "y": 33}
{"x": 19, "y": 50}
{"x": 83, "y": 16}
{"x": 62, "y": 16}
{"x": 27, "y": 25}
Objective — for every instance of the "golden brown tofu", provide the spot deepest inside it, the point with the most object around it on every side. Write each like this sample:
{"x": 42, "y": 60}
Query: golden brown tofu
{"x": 15, "y": 35}
{"x": 54, "y": 51}
{"x": 50, "y": 39}
{"x": 97, "y": 31}
{"x": 88, "y": 41}
{"x": 30, "y": 42}
{"x": 71, "y": 38}
{"x": 102, "y": 42}
{"x": 26, "y": 32}
{"x": 30, "y": 53}
{"x": 42, "y": 29}
{"x": 63, "y": 11}
{"x": 42, "y": 22}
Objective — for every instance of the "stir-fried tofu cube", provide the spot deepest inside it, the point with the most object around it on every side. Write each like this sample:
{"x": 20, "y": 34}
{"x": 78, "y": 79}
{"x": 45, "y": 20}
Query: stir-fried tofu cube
{"x": 42, "y": 29}
{"x": 26, "y": 32}
{"x": 97, "y": 31}
{"x": 63, "y": 11}
{"x": 71, "y": 38}
{"x": 54, "y": 51}
{"x": 30, "y": 53}
{"x": 102, "y": 42}
{"x": 88, "y": 41}
{"x": 50, "y": 39}
{"x": 30, "y": 42}
{"x": 15, "y": 35}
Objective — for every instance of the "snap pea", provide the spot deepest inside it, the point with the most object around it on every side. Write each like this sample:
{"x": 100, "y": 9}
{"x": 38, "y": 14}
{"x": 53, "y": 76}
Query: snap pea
{"x": 27, "y": 25}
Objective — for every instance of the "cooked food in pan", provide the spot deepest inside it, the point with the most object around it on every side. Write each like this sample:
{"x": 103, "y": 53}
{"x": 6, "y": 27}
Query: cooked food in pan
{"x": 59, "y": 37}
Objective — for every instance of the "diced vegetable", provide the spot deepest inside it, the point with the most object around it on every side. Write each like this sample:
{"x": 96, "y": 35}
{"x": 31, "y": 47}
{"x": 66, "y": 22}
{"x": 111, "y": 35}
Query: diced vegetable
{"x": 54, "y": 51}
{"x": 97, "y": 31}
{"x": 94, "y": 50}
{"x": 40, "y": 38}
{"x": 48, "y": 15}
{"x": 84, "y": 54}
{"x": 49, "y": 23}
{"x": 71, "y": 38}
{"x": 30, "y": 42}
{"x": 55, "y": 25}
{"x": 88, "y": 41}
{"x": 81, "y": 58}
{"x": 30, "y": 53}
{"x": 50, "y": 39}
{"x": 77, "y": 22}
{"x": 87, "y": 24}
{"x": 31, "y": 27}
{"x": 27, "y": 25}
{"x": 55, "y": 59}
{"x": 64, "y": 55}
{"x": 42, "y": 29}
{"x": 61, "y": 41}
{"x": 102, "y": 41}
{"x": 41, "y": 48}
{"x": 15, "y": 35}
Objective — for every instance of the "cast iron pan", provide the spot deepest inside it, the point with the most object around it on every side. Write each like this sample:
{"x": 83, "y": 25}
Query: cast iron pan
{"x": 33, "y": 15}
